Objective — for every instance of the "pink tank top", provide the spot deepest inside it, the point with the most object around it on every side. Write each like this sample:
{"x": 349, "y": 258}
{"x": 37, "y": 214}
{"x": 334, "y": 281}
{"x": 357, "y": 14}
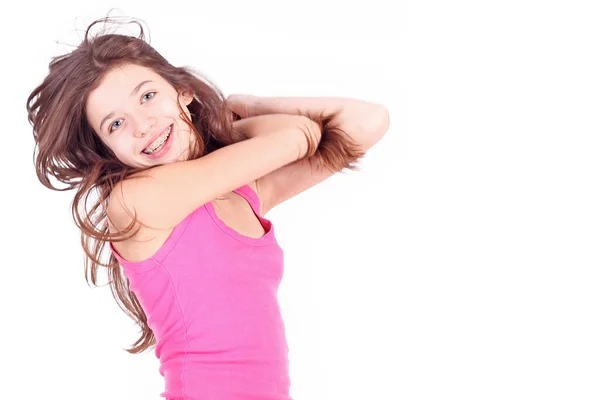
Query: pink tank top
{"x": 210, "y": 295}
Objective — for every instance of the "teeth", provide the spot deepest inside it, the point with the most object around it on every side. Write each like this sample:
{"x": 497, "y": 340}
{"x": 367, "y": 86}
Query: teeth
{"x": 158, "y": 143}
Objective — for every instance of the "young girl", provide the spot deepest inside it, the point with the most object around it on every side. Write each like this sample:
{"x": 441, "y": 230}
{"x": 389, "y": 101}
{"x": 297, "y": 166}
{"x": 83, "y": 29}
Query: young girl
{"x": 172, "y": 185}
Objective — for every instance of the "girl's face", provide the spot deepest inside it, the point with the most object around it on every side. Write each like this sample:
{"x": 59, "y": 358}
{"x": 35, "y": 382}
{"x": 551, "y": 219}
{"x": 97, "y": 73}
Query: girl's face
{"x": 134, "y": 112}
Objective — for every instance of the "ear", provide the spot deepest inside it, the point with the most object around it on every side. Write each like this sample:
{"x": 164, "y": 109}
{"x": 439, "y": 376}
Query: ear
{"x": 187, "y": 96}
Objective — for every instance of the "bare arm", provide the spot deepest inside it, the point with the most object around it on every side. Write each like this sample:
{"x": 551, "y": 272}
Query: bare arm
{"x": 365, "y": 122}
{"x": 163, "y": 196}
{"x": 355, "y": 126}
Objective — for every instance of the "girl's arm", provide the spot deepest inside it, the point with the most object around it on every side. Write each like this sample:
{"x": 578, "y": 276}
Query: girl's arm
{"x": 363, "y": 121}
{"x": 163, "y": 196}
{"x": 350, "y": 128}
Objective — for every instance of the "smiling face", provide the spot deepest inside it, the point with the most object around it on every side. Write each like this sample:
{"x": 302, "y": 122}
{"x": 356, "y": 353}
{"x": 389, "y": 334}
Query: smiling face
{"x": 134, "y": 112}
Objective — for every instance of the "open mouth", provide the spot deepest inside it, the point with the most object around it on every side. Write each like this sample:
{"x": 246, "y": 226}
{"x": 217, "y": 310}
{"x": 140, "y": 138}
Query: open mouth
{"x": 156, "y": 146}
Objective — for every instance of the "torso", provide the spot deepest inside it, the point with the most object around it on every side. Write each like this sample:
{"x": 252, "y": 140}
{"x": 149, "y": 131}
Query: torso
{"x": 231, "y": 208}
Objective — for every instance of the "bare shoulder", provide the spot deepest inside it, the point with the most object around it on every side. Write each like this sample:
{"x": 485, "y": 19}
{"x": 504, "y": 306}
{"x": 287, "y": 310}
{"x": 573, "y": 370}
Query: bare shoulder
{"x": 146, "y": 240}
{"x": 119, "y": 214}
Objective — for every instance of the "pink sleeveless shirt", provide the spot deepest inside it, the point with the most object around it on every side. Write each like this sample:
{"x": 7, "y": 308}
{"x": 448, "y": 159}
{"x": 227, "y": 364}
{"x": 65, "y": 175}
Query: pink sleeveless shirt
{"x": 210, "y": 295}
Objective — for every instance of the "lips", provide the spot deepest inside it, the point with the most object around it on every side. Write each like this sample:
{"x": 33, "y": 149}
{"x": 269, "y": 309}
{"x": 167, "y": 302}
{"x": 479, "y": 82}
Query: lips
{"x": 156, "y": 136}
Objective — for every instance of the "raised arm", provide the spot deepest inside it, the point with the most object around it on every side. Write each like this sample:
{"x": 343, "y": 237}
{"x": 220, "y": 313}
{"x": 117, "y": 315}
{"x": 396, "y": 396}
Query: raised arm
{"x": 365, "y": 122}
{"x": 163, "y": 196}
{"x": 354, "y": 127}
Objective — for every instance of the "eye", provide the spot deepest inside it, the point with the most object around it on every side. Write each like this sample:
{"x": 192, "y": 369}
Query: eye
{"x": 113, "y": 125}
{"x": 148, "y": 94}
{"x": 146, "y": 97}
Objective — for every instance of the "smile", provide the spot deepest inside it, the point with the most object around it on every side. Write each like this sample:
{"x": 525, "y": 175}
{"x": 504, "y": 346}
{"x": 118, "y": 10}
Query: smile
{"x": 158, "y": 144}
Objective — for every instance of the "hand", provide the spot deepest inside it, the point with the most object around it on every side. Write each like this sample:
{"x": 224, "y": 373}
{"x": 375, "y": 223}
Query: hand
{"x": 242, "y": 105}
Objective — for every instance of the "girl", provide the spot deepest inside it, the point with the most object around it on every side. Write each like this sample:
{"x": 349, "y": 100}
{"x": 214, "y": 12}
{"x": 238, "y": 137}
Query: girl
{"x": 172, "y": 184}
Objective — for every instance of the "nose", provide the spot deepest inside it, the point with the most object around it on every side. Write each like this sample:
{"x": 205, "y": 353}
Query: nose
{"x": 145, "y": 126}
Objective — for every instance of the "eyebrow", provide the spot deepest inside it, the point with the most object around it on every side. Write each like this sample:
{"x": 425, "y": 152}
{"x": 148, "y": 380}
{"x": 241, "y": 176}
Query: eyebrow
{"x": 134, "y": 91}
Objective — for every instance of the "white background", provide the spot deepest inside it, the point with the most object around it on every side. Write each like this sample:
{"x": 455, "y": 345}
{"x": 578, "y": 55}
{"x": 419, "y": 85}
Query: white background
{"x": 461, "y": 262}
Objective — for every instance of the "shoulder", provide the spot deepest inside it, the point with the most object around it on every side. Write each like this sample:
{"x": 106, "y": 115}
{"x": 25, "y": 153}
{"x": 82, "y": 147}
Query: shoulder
{"x": 128, "y": 196}
{"x": 131, "y": 196}
{"x": 125, "y": 197}
{"x": 123, "y": 220}
{"x": 120, "y": 214}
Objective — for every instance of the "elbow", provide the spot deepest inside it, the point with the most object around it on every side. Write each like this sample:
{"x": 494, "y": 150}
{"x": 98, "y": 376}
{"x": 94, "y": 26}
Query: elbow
{"x": 382, "y": 121}
{"x": 377, "y": 124}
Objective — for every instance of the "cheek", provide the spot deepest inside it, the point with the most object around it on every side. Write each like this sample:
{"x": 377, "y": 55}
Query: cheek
{"x": 186, "y": 135}
{"x": 167, "y": 107}
{"x": 123, "y": 149}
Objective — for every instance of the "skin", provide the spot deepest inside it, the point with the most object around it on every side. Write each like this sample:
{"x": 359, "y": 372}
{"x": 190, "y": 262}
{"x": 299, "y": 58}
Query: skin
{"x": 136, "y": 118}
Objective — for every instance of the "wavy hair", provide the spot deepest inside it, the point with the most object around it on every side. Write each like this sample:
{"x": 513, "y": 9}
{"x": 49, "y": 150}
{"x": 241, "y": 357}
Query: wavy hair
{"x": 68, "y": 150}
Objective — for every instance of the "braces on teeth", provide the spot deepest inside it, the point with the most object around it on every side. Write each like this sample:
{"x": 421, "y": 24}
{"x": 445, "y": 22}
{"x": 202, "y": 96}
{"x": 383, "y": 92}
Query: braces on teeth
{"x": 159, "y": 144}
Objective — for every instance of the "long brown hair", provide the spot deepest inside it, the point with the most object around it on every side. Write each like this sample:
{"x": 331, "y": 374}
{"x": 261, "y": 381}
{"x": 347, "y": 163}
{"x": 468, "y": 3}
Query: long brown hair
{"x": 68, "y": 150}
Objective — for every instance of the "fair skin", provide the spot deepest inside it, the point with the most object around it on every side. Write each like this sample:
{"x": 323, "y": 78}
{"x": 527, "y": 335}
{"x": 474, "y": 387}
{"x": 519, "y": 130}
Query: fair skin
{"x": 127, "y": 121}
{"x": 365, "y": 122}
{"x": 177, "y": 186}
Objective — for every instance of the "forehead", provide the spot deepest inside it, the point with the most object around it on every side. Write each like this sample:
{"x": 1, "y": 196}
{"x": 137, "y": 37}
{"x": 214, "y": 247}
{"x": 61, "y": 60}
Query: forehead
{"x": 115, "y": 88}
{"x": 123, "y": 78}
